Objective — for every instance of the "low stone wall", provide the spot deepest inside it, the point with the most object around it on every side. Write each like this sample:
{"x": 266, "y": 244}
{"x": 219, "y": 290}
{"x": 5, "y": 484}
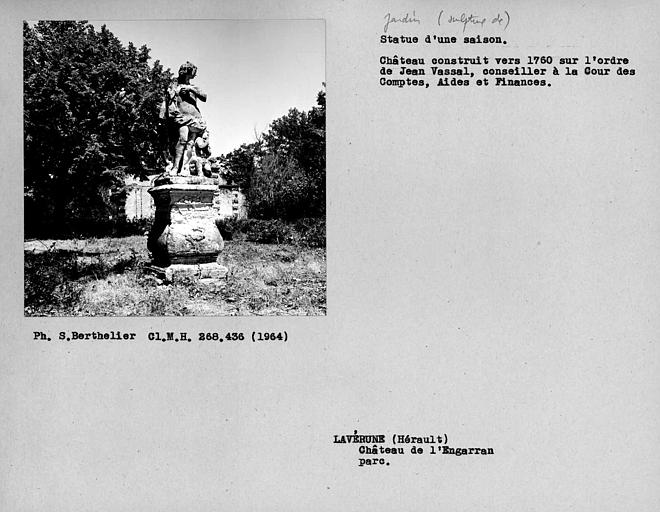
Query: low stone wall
{"x": 230, "y": 202}
{"x": 139, "y": 203}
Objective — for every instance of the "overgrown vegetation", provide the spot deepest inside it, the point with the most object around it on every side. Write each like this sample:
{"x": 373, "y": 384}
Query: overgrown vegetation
{"x": 283, "y": 172}
{"x": 91, "y": 110}
{"x": 308, "y": 232}
{"x": 106, "y": 277}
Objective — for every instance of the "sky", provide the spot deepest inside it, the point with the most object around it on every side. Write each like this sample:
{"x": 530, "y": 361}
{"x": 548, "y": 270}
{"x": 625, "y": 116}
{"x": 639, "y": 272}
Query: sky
{"x": 253, "y": 71}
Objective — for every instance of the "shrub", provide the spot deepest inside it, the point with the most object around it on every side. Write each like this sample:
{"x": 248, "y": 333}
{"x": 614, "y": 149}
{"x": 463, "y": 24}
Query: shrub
{"x": 280, "y": 189}
{"x": 88, "y": 228}
{"x": 48, "y": 280}
{"x": 131, "y": 227}
{"x": 54, "y": 280}
{"x": 308, "y": 232}
{"x": 311, "y": 232}
{"x": 273, "y": 231}
{"x": 229, "y": 226}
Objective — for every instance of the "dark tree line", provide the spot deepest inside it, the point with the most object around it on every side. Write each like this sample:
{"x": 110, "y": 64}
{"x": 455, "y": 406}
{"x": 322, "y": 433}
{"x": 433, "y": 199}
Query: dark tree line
{"x": 91, "y": 110}
{"x": 283, "y": 172}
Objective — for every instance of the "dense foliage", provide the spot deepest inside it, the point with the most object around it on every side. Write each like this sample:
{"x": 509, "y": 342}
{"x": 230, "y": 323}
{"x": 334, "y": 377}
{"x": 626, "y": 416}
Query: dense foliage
{"x": 90, "y": 118}
{"x": 304, "y": 232}
{"x": 283, "y": 172}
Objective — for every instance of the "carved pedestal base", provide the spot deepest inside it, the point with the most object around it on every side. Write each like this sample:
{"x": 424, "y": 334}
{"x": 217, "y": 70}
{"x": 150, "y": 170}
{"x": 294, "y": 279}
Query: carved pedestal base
{"x": 185, "y": 241}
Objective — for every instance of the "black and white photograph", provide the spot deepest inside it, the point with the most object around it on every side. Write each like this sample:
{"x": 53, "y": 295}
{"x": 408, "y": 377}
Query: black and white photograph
{"x": 174, "y": 168}
{"x": 330, "y": 255}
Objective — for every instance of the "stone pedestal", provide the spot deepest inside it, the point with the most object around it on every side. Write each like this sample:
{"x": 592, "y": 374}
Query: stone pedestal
{"x": 185, "y": 241}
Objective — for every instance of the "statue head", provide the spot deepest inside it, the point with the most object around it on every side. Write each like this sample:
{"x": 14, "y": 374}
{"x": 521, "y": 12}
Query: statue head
{"x": 188, "y": 69}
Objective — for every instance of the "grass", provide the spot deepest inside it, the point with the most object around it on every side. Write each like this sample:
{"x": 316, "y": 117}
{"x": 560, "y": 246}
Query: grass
{"x": 106, "y": 277}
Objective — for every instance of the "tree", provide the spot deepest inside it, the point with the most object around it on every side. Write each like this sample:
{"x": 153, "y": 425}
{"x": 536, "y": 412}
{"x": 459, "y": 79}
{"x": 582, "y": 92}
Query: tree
{"x": 91, "y": 110}
{"x": 283, "y": 174}
{"x": 240, "y": 164}
{"x": 281, "y": 189}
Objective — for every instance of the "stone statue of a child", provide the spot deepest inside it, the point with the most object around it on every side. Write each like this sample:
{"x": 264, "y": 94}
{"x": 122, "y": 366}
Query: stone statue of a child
{"x": 201, "y": 152}
{"x": 183, "y": 116}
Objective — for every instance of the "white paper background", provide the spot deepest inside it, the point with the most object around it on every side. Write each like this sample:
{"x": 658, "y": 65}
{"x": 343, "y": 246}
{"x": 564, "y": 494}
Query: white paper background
{"x": 492, "y": 274}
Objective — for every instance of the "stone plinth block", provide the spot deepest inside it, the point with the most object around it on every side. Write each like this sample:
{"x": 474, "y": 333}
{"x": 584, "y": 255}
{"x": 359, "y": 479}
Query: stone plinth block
{"x": 205, "y": 272}
{"x": 184, "y": 230}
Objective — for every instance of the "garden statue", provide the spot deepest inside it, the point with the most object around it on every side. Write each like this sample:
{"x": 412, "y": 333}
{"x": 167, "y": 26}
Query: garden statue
{"x": 184, "y": 239}
{"x": 182, "y": 116}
